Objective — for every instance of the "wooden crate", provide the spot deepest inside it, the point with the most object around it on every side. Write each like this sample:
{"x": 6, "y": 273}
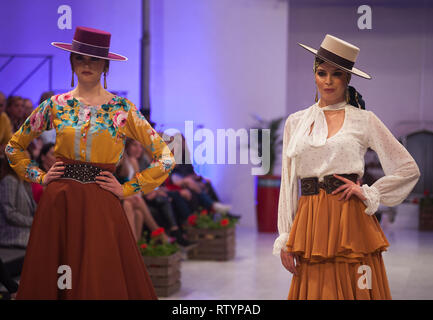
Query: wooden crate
{"x": 213, "y": 244}
{"x": 426, "y": 218}
{"x": 164, "y": 273}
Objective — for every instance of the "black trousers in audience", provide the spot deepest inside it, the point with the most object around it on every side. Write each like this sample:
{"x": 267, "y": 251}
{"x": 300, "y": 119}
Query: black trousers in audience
{"x": 180, "y": 206}
{"x": 162, "y": 211}
{"x": 6, "y": 279}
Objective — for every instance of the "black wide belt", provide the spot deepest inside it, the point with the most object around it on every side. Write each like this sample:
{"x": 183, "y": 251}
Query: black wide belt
{"x": 310, "y": 186}
{"x": 84, "y": 173}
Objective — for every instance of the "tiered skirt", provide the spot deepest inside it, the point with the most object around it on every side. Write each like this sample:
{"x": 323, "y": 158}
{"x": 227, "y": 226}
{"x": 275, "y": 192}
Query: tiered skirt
{"x": 340, "y": 250}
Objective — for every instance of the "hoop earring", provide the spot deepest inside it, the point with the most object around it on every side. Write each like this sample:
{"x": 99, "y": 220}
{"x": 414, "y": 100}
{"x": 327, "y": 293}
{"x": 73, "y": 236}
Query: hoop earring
{"x": 317, "y": 96}
{"x": 72, "y": 81}
{"x": 105, "y": 80}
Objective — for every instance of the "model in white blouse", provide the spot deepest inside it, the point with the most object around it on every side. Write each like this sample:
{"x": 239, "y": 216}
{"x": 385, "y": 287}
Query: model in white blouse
{"x": 343, "y": 153}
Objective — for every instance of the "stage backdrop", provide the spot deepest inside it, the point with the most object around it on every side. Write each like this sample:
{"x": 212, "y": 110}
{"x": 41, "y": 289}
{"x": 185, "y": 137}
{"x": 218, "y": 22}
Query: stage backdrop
{"x": 217, "y": 62}
{"x": 28, "y": 27}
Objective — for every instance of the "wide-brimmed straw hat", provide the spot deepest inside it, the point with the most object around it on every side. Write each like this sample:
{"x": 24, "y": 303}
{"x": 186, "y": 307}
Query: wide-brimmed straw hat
{"x": 339, "y": 53}
{"x": 91, "y": 42}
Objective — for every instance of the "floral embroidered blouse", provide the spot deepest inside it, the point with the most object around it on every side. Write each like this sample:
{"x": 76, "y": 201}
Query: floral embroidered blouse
{"x": 91, "y": 134}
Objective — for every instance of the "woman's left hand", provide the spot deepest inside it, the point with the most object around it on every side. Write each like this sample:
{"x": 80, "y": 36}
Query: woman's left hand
{"x": 350, "y": 188}
{"x": 107, "y": 181}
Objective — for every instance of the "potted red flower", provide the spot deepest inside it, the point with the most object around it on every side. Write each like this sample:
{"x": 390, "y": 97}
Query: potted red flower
{"x": 162, "y": 260}
{"x": 214, "y": 234}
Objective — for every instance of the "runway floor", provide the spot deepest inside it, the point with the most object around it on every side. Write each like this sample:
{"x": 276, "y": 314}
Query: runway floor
{"x": 256, "y": 274}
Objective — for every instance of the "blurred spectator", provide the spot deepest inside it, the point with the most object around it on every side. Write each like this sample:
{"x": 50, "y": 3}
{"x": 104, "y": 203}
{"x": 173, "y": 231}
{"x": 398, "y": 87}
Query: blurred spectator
{"x": 135, "y": 207}
{"x": 2, "y": 102}
{"x": 159, "y": 200}
{"x": 6, "y": 280}
{"x": 5, "y": 126}
{"x": 48, "y": 135}
{"x": 28, "y": 108}
{"x": 15, "y": 111}
{"x": 45, "y": 160}
{"x": 17, "y": 208}
{"x": 193, "y": 187}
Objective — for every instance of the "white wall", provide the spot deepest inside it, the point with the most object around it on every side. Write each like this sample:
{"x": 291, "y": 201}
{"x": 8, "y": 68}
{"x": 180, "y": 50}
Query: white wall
{"x": 397, "y": 53}
{"x": 216, "y": 63}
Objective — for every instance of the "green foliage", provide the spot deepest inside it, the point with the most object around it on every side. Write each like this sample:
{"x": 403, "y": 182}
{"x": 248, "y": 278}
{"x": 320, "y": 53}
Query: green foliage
{"x": 275, "y": 139}
{"x": 202, "y": 219}
{"x": 156, "y": 246}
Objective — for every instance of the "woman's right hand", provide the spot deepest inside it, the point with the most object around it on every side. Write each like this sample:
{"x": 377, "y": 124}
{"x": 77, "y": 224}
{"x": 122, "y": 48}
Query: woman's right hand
{"x": 288, "y": 260}
{"x": 54, "y": 173}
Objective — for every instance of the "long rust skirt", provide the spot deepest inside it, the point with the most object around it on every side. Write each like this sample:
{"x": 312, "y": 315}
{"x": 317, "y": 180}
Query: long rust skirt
{"x": 340, "y": 249}
{"x": 84, "y": 227}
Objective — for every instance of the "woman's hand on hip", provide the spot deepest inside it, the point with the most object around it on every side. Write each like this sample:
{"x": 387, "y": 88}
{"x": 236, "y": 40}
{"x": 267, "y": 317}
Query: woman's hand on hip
{"x": 350, "y": 188}
{"x": 55, "y": 172}
{"x": 288, "y": 260}
{"x": 107, "y": 181}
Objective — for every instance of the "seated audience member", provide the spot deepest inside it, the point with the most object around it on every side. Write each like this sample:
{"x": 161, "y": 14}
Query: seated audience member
{"x": 5, "y": 126}
{"x": 15, "y": 112}
{"x": 28, "y": 108}
{"x": 6, "y": 280}
{"x": 45, "y": 160}
{"x": 48, "y": 135}
{"x": 17, "y": 208}
{"x": 157, "y": 200}
{"x": 201, "y": 192}
{"x": 135, "y": 207}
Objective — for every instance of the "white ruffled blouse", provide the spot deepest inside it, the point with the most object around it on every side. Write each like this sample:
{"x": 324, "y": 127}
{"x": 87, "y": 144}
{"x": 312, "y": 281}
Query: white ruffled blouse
{"x": 313, "y": 155}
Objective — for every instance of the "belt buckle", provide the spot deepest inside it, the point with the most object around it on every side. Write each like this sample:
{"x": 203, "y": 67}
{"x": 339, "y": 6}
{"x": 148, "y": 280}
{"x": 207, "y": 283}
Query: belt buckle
{"x": 332, "y": 183}
{"x": 310, "y": 186}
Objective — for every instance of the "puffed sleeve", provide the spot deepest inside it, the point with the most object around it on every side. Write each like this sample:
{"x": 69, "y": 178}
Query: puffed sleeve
{"x": 401, "y": 170}
{"x": 40, "y": 120}
{"x": 138, "y": 128}
{"x": 288, "y": 195}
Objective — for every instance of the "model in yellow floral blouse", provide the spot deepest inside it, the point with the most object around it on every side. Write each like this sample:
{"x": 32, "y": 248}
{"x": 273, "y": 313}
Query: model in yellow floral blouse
{"x": 91, "y": 134}
{"x": 81, "y": 245}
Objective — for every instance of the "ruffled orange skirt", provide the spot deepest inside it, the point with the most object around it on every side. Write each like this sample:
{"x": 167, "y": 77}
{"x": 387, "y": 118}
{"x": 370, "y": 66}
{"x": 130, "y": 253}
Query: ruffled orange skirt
{"x": 340, "y": 250}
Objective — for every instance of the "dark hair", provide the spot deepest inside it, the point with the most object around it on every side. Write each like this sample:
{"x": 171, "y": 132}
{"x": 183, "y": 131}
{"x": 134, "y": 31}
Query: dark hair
{"x": 44, "y": 150}
{"x": 45, "y": 95}
{"x": 106, "y": 67}
{"x": 6, "y": 169}
{"x": 355, "y": 98}
{"x": 11, "y": 100}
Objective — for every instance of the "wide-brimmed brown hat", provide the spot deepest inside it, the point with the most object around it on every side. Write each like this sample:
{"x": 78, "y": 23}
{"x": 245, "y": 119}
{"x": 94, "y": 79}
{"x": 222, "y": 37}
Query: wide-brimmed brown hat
{"x": 91, "y": 42}
{"x": 339, "y": 53}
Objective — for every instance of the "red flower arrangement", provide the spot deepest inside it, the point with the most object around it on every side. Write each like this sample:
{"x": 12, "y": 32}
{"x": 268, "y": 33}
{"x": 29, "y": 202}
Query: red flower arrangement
{"x": 224, "y": 222}
{"x": 192, "y": 220}
{"x": 157, "y": 246}
{"x": 202, "y": 219}
{"x": 157, "y": 232}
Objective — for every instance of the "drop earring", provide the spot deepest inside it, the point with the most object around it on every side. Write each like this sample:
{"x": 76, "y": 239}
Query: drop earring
{"x": 347, "y": 95}
{"x": 105, "y": 80}
{"x": 317, "y": 96}
{"x": 72, "y": 81}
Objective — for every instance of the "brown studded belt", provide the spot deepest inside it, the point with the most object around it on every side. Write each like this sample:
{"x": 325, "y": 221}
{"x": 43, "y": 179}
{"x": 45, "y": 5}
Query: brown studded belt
{"x": 81, "y": 172}
{"x": 312, "y": 185}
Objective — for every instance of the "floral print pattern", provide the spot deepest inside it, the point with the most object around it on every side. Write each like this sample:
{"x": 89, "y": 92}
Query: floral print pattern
{"x": 92, "y": 133}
